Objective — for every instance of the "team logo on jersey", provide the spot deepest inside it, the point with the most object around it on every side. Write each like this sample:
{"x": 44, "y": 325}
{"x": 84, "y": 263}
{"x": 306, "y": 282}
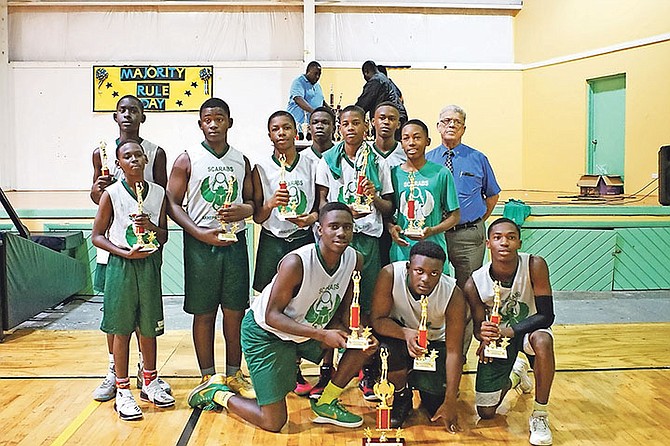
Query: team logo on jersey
{"x": 513, "y": 310}
{"x": 214, "y": 189}
{"x": 347, "y": 193}
{"x": 297, "y": 199}
{"x": 322, "y": 311}
{"x": 424, "y": 203}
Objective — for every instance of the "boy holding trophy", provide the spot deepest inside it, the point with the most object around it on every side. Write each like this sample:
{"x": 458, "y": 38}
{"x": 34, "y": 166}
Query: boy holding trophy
{"x": 131, "y": 224}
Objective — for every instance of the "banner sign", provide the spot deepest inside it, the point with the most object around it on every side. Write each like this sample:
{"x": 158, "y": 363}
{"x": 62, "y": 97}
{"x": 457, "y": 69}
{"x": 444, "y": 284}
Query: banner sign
{"x": 160, "y": 88}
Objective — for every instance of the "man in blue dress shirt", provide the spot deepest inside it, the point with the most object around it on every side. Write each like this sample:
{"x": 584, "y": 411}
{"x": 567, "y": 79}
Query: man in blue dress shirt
{"x": 477, "y": 196}
{"x": 305, "y": 94}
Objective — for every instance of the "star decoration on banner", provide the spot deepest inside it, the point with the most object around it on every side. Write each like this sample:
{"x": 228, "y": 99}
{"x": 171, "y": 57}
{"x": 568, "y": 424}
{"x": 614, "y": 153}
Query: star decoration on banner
{"x": 179, "y": 103}
{"x": 115, "y": 94}
{"x": 187, "y": 92}
{"x": 108, "y": 85}
{"x": 194, "y": 84}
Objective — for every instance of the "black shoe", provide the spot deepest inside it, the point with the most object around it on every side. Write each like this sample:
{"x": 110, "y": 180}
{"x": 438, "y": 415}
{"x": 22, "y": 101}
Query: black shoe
{"x": 431, "y": 402}
{"x": 367, "y": 383}
{"x": 402, "y": 406}
{"x": 326, "y": 372}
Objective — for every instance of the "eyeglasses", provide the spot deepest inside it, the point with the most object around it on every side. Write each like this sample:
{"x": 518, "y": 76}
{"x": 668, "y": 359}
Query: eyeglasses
{"x": 446, "y": 121}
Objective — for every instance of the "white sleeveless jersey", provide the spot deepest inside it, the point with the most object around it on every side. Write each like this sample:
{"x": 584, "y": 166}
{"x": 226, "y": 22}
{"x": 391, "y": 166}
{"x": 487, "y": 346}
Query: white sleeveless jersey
{"x": 394, "y": 157}
{"x": 208, "y": 185}
{"x": 300, "y": 184}
{"x": 407, "y": 310}
{"x": 124, "y": 205}
{"x": 309, "y": 154}
{"x": 517, "y": 302}
{"x": 150, "y": 150}
{"x": 319, "y": 296}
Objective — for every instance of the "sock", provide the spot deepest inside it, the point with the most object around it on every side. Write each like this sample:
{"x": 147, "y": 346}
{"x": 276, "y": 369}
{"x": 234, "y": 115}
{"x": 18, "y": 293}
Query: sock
{"x": 149, "y": 375}
{"x": 221, "y": 397}
{"x": 140, "y": 358}
{"x": 231, "y": 370}
{"x": 326, "y": 371}
{"x": 111, "y": 362}
{"x": 515, "y": 379}
{"x": 537, "y": 407}
{"x": 208, "y": 371}
{"x": 123, "y": 383}
{"x": 330, "y": 393}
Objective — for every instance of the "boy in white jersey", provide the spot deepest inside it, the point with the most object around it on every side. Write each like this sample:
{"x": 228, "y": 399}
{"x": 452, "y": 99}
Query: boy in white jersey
{"x": 396, "y": 314}
{"x": 322, "y": 126}
{"x": 526, "y": 313}
{"x": 301, "y": 313}
{"x": 215, "y": 179}
{"x": 129, "y": 116}
{"x": 133, "y": 278}
{"x": 337, "y": 180}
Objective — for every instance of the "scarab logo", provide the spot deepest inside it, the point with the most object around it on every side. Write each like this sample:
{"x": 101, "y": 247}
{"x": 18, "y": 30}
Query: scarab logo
{"x": 214, "y": 189}
{"x": 322, "y": 311}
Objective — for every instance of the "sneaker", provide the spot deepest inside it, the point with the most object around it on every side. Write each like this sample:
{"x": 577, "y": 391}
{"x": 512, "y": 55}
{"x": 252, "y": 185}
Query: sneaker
{"x": 154, "y": 393}
{"x": 366, "y": 384}
{"x": 402, "y": 406}
{"x": 325, "y": 374}
{"x": 335, "y": 413}
{"x": 520, "y": 369}
{"x": 140, "y": 380}
{"x": 302, "y": 387}
{"x": 107, "y": 388}
{"x": 540, "y": 434}
{"x": 202, "y": 397}
{"x": 126, "y": 406}
{"x": 239, "y": 384}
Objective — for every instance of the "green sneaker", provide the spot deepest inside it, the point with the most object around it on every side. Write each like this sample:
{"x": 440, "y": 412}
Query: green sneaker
{"x": 202, "y": 397}
{"x": 335, "y": 413}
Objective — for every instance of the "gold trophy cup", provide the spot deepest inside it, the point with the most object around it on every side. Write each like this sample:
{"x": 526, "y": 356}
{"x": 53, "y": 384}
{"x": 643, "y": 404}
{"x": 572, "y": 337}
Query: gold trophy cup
{"x": 357, "y": 339}
{"x": 104, "y": 166}
{"x": 146, "y": 240}
{"x": 383, "y": 390}
{"x": 425, "y": 362}
{"x": 498, "y": 348}
{"x": 287, "y": 211}
{"x": 362, "y": 203}
{"x": 228, "y": 230}
{"x": 414, "y": 225}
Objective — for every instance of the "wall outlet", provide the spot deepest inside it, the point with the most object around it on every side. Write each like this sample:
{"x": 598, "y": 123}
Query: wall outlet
{"x": 654, "y": 176}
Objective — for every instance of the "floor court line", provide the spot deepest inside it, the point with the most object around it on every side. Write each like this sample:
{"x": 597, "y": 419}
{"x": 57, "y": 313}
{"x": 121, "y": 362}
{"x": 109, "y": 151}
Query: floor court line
{"x": 76, "y": 424}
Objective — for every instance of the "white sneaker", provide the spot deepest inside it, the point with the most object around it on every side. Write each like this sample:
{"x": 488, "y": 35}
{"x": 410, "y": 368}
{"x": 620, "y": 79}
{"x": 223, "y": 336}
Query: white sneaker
{"x": 540, "y": 434}
{"x": 126, "y": 406}
{"x": 154, "y": 393}
{"x": 107, "y": 388}
{"x": 140, "y": 380}
{"x": 520, "y": 369}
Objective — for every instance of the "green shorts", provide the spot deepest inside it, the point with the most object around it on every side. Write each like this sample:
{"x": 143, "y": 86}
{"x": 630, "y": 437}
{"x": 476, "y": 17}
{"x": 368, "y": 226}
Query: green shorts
{"x": 215, "y": 275}
{"x": 133, "y": 296}
{"x": 99, "y": 277}
{"x": 372, "y": 264}
{"x": 272, "y": 249}
{"x": 272, "y": 361}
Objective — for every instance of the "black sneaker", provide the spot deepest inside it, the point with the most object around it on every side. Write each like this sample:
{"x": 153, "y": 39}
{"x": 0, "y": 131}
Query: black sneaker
{"x": 402, "y": 407}
{"x": 325, "y": 373}
{"x": 431, "y": 402}
{"x": 366, "y": 384}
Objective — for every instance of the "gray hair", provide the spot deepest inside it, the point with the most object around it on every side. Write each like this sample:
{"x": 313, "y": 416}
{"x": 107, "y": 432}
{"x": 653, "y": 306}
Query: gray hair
{"x": 454, "y": 108}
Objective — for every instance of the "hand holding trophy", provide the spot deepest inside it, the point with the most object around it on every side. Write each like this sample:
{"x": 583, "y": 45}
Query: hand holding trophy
{"x": 415, "y": 225}
{"x": 288, "y": 211}
{"x": 357, "y": 340}
{"x": 146, "y": 240}
{"x": 228, "y": 230}
{"x": 426, "y": 361}
{"x": 498, "y": 347}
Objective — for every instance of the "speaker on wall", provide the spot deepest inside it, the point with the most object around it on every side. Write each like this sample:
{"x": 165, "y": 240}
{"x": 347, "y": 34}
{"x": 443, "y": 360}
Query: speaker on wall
{"x": 664, "y": 175}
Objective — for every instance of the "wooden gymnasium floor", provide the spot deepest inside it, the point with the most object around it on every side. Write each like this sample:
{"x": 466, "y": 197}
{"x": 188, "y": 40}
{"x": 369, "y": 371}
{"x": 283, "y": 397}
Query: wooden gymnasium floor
{"x": 612, "y": 387}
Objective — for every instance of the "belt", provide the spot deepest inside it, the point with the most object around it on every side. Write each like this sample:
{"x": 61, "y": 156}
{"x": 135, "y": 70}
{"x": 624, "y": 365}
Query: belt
{"x": 469, "y": 224}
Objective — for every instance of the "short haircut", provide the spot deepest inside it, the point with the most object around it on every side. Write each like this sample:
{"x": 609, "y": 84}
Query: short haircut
{"x": 354, "y": 109}
{"x": 427, "y": 248}
{"x": 334, "y": 206}
{"x": 126, "y": 142}
{"x": 503, "y": 220}
{"x": 418, "y": 122}
{"x": 369, "y": 65}
{"x": 215, "y": 103}
{"x": 281, "y": 113}
{"x": 453, "y": 108}
{"x": 312, "y": 64}
{"x": 324, "y": 110}
{"x": 387, "y": 104}
{"x": 134, "y": 98}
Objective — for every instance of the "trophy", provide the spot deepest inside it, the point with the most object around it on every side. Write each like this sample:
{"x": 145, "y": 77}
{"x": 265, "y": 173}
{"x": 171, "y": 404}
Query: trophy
{"x": 104, "y": 168}
{"x": 228, "y": 230}
{"x": 338, "y": 109}
{"x": 414, "y": 225}
{"x": 383, "y": 390}
{"x": 362, "y": 203}
{"x": 150, "y": 244}
{"x": 497, "y": 348}
{"x": 304, "y": 129}
{"x": 287, "y": 211}
{"x": 355, "y": 339}
{"x": 425, "y": 362}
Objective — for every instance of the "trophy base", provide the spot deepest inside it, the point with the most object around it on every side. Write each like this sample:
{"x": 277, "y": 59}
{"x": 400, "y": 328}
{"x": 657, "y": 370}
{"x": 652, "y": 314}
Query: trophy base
{"x": 146, "y": 247}
{"x": 413, "y": 231}
{"x": 383, "y": 441}
{"x": 227, "y": 236}
{"x": 362, "y": 208}
{"x": 495, "y": 352}
{"x": 358, "y": 343}
{"x": 283, "y": 216}
{"x": 425, "y": 364}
